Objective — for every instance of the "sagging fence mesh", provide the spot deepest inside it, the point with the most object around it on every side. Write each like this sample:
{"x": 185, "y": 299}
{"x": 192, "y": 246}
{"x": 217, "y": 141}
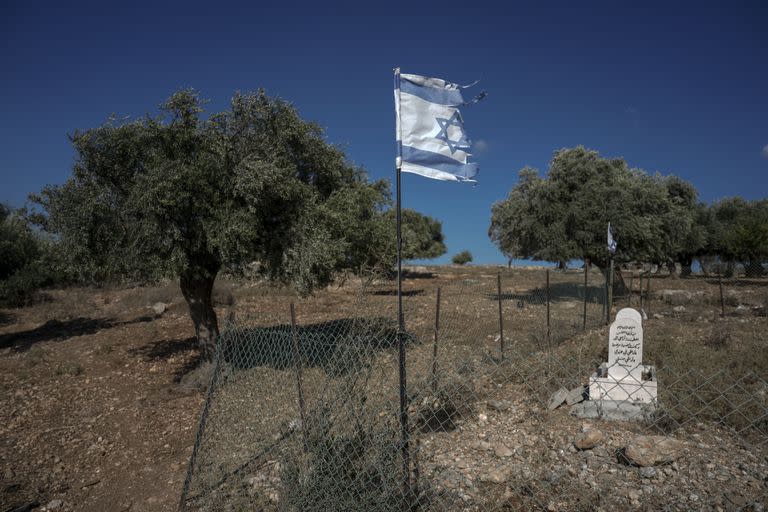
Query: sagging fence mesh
{"x": 303, "y": 409}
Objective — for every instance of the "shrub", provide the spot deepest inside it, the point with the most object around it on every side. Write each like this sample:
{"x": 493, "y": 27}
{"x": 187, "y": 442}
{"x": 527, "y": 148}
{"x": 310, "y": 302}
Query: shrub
{"x": 719, "y": 338}
{"x": 24, "y": 285}
{"x": 462, "y": 258}
{"x": 26, "y": 260}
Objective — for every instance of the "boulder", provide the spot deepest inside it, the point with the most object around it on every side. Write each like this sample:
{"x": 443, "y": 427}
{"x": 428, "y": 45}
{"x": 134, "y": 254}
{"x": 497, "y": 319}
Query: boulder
{"x": 575, "y": 395}
{"x": 502, "y": 450}
{"x": 54, "y": 504}
{"x": 158, "y": 308}
{"x": 679, "y": 297}
{"x": 646, "y": 451}
{"x": 557, "y": 399}
{"x": 495, "y": 476}
{"x": 498, "y": 405}
{"x": 588, "y": 440}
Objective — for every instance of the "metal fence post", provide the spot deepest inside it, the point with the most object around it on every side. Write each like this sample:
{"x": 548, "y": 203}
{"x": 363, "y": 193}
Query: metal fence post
{"x": 648, "y": 293}
{"x": 434, "y": 343}
{"x": 586, "y": 289}
{"x": 609, "y": 302}
{"x": 722, "y": 298}
{"x": 501, "y": 318}
{"x": 549, "y": 330}
{"x": 297, "y": 365}
{"x": 640, "y": 276}
{"x": 631, "y": 288}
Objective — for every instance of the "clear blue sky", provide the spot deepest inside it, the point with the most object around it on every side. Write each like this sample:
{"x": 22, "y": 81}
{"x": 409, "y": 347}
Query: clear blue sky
{"x": 677, "y": 89}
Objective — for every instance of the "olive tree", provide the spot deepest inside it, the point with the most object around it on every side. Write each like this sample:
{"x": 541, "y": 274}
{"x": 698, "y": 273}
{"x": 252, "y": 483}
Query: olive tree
{"x": 739, "y": 233}
{"x": 183, "y": 194}
{"x": 564, "y": 215}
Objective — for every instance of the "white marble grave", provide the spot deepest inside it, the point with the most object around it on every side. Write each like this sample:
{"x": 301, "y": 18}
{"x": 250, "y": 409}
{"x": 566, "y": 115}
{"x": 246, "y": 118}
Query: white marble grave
{"x": 624, "y": 378}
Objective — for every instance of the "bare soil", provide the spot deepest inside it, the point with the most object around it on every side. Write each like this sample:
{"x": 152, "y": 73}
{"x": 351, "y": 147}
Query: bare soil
{"x": 92, "y": 413}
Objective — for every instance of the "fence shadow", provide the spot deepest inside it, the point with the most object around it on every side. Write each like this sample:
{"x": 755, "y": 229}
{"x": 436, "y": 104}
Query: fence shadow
{"x": 337, "y": 346}
{"x": 406, "y": 293}
{"x": 557, "y": 292}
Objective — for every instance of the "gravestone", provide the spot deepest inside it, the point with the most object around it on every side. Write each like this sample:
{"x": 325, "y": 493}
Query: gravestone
{"x": 623, "y": 387}
{"x": 625, "y": 345}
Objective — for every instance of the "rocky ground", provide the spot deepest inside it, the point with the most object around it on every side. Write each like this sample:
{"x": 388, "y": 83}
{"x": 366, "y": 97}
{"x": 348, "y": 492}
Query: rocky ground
{"x": 516, "y": 455}
{"x": 93, "y": 417}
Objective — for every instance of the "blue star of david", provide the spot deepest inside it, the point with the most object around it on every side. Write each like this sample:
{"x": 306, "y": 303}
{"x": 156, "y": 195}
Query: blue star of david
{"x": 455, "y": 120}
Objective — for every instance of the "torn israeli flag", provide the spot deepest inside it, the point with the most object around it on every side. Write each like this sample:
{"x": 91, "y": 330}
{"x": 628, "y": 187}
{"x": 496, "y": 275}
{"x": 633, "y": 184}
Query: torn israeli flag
{"x": 431, "y": 140}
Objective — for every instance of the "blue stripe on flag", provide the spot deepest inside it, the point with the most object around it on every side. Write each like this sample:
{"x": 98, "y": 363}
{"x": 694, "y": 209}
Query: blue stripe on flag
{"x": 432, "y": 94}
{"x": 439, "y": 162}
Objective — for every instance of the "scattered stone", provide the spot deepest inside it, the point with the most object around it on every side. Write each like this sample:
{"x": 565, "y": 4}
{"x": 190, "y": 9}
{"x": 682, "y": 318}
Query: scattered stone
{"x": 502, "y": 450}
{"x": 557, "y": 399}
{"x": 588, "y": 440}
{"x": 732, "y": 298}
{"x": 158, "y": 308}
{"x": 54, "y": 504}
{"x": 496, "y": 476}
{"x": 679, "y": 297}
{"x": 498, "y": 405}
{"x": 648, "y": 472}
{"x": 678, "y": 309}
{"x": 647, "y": 451}
{"x": 575, "y": 395}
{"x": 482, "y": 417}
{"x": 555, "y": 477}
{"x": 742, "y": 310}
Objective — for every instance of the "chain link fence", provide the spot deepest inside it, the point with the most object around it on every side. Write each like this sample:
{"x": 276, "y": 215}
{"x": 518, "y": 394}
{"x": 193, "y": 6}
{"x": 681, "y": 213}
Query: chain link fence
{"x": 506, "y": 409}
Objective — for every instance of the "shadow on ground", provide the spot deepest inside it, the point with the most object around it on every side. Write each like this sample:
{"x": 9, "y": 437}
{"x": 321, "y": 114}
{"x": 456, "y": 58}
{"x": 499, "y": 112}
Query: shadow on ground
{"x": 406, "y": 293}
{"x": 57, "y": 330}
{"x": 164, "y": 349}
{"x": 557, "y": 292}
{"x": 337, "y": 346}
{"x": 6, "y": 318}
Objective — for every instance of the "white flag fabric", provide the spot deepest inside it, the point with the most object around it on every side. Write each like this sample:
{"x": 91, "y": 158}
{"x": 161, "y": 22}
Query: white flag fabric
{"x": 611, "y": 240}
{"x": 430, "y": 130}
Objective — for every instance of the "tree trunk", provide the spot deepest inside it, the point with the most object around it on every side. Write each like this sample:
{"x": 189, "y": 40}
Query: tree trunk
{"x": 686, "y": 266}
{"x": 197, "y": 291}
{"x": 620, "y": 288}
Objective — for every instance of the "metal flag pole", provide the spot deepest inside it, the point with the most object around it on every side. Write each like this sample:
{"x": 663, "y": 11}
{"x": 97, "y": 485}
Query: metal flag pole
{"x": 404, "y": 435}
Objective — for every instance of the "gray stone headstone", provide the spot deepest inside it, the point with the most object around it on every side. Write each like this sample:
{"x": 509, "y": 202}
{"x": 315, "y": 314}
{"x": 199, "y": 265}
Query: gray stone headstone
{"x": 630, "y": 313}
{"x": 625, "y": 345}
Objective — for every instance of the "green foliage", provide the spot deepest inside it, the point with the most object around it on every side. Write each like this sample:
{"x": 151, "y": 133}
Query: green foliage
{"x": 25, "y": 260}
{"x": 462, "y": 258}
{"x": 565, "y": 215}
{"x": 372, "y": 236}
{"x": 739, "y": 232}
{"x": 18, "y": 244}
{"x": 183, "y": 195}
{"x": 179, "y": 193}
